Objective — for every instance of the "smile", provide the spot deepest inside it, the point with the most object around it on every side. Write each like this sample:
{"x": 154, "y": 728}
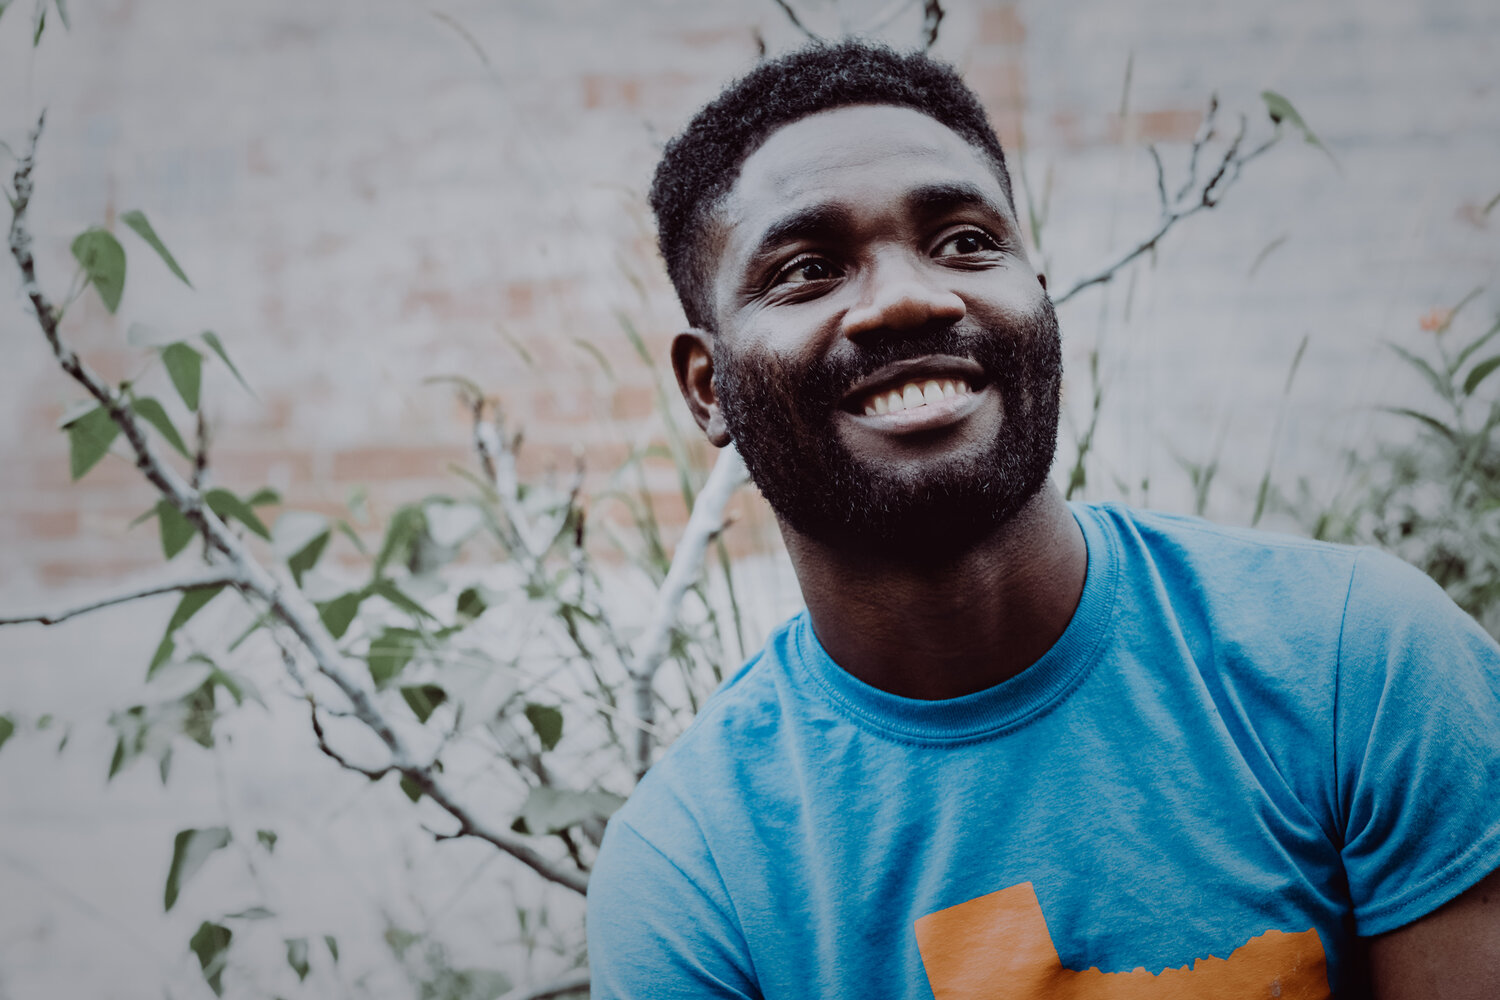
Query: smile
{"x": 916, "y": 393}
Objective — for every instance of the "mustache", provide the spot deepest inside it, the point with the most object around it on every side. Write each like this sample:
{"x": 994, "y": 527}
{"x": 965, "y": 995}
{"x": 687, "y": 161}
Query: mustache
{"x": 825, "y": 383}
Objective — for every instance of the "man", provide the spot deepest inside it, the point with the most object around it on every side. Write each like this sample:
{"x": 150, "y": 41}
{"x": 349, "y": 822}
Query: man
{"x": 1013, "y": 747}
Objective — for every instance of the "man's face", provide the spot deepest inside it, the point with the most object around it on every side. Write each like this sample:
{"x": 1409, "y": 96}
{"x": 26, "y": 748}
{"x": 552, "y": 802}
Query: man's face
{"x": 886, "y": 359}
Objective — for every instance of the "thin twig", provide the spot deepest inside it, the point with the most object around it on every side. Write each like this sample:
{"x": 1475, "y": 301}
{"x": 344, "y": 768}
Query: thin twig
{"x": 573, "y": 982}
{"x": 704, "y": 524}
{"x": 1230, "y": 166}
{"x": 791, "y": 15}
{"x": 211, "y": 578}
{"x": 286, "y": 604}
{"x": 932, "y": 16}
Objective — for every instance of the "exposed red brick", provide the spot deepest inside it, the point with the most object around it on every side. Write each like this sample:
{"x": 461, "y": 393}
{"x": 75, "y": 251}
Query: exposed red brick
{"x": 1168, "y": 124}
{"x": 384, "y": 463}
{"x": 632, "y": 402}
{"x": 1001, "y": 25}
{"x": 47, "y": 525}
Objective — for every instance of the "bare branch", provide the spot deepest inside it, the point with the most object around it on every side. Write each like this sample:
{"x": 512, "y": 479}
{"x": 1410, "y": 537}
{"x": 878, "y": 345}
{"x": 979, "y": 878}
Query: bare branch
{"x": 1161, "y": 180}
{"x": 791, "y": 15}
{"x": 572, "y": 982}
{"x": 1230, "y": 166}
{"x": 704, "y": 524}
{"x": 210, "y": 578}
{"x": 1201, "y": 138}
{"x": 373, "y": 773}
{"x": 932, "y": 16}
{"x": 286, "y": 604}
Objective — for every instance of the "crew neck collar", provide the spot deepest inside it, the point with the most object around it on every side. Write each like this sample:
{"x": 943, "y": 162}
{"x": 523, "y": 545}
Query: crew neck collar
{"x": 1008, "y": 705}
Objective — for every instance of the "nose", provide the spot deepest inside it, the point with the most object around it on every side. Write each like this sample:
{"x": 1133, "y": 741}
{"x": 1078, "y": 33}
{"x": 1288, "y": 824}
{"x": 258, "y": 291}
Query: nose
{"x": 899, "y": 296}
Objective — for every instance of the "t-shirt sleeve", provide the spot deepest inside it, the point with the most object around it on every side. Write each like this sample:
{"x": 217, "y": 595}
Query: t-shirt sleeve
{"x": 655, "y": 931}
{"x": 1418, "y": 745}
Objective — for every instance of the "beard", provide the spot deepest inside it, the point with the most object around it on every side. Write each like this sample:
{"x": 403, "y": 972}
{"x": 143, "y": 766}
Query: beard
{"x": 782, "y": 421}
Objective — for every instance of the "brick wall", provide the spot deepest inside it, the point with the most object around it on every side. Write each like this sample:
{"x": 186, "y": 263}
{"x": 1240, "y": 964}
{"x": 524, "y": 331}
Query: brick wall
{"x": 367, "y": 195}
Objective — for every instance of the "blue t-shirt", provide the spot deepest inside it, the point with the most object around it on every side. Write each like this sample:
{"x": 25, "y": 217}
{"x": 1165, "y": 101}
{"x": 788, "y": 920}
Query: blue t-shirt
{"x": 1244, "y": 751}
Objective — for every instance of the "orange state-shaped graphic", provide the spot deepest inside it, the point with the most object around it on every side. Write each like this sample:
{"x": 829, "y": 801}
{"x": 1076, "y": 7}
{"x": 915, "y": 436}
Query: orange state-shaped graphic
{"x": 997, "y": 947}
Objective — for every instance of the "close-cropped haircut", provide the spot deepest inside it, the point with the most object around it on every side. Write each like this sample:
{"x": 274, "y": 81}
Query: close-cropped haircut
{"x": 701, "y": 164}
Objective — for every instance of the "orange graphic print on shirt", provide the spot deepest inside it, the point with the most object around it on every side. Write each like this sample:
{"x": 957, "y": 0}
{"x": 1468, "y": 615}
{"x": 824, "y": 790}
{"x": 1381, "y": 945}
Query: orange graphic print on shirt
{"x": 997, "y": 947}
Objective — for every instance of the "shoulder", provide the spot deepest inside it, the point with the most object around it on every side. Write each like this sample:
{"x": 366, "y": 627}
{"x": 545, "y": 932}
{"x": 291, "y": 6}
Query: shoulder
{"x": 1230, "y": 578}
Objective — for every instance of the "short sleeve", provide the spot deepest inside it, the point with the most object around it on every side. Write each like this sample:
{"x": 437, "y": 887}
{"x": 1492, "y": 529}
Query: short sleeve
{"x": 1418, "y": 745}
{"x": 654, "y": 931}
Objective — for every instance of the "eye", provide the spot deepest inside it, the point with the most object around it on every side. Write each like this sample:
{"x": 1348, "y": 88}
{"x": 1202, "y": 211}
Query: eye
{"x": 967, "y": 243}
{"x": 806, "y": 270}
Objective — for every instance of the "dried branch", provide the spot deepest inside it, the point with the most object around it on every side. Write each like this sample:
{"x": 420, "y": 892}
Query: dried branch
{"x": 210, "y": 578}
{"x": 791, "y": 15}
{"x": 287, "y": 605}
{"x": 1228, "y": 171}
{"x": 704, "y": 524}
{"x": 572, "y": 982}
{"x": 932, "y": 16}
{"x": 373, "y": 773}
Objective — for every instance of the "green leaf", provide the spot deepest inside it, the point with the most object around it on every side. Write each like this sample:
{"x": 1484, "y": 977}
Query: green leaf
{"x": 176, "y": 530}
{"x": 117, "y": 760}
{"x": 1281, "y": 110}
{"x": 251, "y": 913}
{"x": 550, "y": 810}
{"x": 212, "y": 340}
{"x": 263, "y": 497}
{"x": 137, "y": 221}
{"x": 103, "y": 262}
{"x": 185, "y": 366}
{"x": 424, "y": 699}
{"x": 7, "y": 729}
{"x": 151, "y": 411}
{"x": 332, "y": 944}
{"x": 1439, "y": 385}
{"x": 190, "y": 849}
{"x": 36, "y": 36}
{"x": 411, "y": 788}
{"x": 267, "y": 839}
{"x": 307, "y": 557}
{"x": 227, "y": 506}
{"x": 390, "y": 652}
{"x": 191, "y": 603}
{"x": 296, "y": 957}
{"x": 548, "y": 723}
{"x": 1476, "y": 344}
{"x": 62, "y": 12}
{"x": 1432, "y": 422}
{"x": 406, "y": 524}
{"x": 1479, "y": 373}
{"x": 211, "y": 945}
{"x": 338, "y": 613}
{"x": 4, "y": 4}
{"x": 392, "y": 593}
{"x": 471, "y": 604}
{"x": 89, "y": 438}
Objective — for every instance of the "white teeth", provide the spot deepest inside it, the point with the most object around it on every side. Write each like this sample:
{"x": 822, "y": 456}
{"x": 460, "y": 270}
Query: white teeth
{"x": 915, "y": 394}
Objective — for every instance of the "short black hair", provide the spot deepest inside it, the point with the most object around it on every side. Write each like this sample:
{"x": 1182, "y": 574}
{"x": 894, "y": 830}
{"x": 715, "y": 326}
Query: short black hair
{"x": 701, "y": 164}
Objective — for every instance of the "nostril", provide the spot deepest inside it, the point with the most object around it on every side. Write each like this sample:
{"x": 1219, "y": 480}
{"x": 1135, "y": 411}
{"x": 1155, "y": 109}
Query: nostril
{"x": 904, "y": 306}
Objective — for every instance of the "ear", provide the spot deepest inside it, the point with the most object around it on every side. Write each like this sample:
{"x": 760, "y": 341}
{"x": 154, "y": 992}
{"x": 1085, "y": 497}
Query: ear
{"x": 693, "y": 363}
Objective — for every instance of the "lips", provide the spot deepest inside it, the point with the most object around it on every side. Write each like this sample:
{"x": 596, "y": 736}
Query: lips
{"x": 917, "y": 394}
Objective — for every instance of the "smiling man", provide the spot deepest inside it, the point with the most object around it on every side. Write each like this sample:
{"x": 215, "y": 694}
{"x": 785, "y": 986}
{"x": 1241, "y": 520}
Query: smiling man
{"x": 1014, "y": 748}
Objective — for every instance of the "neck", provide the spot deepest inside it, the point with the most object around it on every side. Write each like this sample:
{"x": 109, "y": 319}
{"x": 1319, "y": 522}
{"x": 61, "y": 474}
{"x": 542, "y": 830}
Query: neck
{"x": 945, "y": 630}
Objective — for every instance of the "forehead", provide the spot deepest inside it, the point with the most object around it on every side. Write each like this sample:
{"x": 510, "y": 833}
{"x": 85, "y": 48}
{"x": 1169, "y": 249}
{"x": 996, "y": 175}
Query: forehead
{"x": 849, "y": 156}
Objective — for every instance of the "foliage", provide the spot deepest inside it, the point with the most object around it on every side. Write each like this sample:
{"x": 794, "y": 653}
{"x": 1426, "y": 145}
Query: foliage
{"x": 1432, "y": 496}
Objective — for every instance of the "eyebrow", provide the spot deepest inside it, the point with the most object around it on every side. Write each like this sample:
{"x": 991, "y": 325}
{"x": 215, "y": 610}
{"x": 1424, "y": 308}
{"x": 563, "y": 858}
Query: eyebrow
{"x": 932, "y": 199}
{"x": 813, "y": 221}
